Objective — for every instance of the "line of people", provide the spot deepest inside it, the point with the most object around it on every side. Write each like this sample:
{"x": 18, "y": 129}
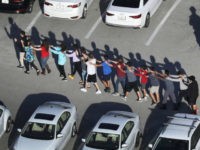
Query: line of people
{"x": 126, "y": 74}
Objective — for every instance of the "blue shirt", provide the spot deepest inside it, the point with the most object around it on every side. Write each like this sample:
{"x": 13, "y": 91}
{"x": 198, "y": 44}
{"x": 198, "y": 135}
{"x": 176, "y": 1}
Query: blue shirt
{"x": 106, "y": 68}
{"x": 61, "y": 56}
{"x": 29, "y": 56}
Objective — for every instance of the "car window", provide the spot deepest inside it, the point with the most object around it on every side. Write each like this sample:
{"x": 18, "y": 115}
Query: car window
{"x": 127, "y": 3}
{"x": 62, "y": 122}
{"x": 195, "y": 137}
{"x": 126, "y": 131}
{"x": 1, "y": 111}
{"x": 145, "y": 1}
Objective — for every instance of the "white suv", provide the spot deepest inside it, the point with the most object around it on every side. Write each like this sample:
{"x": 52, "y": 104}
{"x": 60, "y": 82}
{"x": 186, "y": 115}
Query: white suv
{"x": 181, "y": 132}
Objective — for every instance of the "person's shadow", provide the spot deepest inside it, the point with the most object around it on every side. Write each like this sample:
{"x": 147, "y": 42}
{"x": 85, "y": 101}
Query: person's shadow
{"x": 194, "y": 21}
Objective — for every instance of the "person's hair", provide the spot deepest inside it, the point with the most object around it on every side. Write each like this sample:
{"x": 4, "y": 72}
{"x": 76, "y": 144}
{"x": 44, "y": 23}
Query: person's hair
{"x": 63, "y": 47}
{"x": 192, "y": 78}
{"x": 167, "y": 72}
{"x": 120, "y": 59}
{"x": 105, "y": 57}
{"x": 28, "y": 43}
{"x": 91, "y": 55}
{"x": 83, "y": 50}
{"x": 180, "y": 72}
{"x": 45, "y": 43}
{"x": 22, "y": 33}
{"x": 129, "y": 63}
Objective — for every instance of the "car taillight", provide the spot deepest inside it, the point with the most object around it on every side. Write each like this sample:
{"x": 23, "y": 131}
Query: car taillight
{"x": 17, "y": 1}
{"x": 74, "y": 5}
{"x": 48, "y": 4}
{"x": 137, "y": 16}
{"x": 109, "y": 14}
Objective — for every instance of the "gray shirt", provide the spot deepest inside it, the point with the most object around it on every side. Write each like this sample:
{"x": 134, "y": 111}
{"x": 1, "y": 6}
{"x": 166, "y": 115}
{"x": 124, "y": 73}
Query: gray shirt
{"x": 130, "y": 75}
{"x": 153, "y": 80}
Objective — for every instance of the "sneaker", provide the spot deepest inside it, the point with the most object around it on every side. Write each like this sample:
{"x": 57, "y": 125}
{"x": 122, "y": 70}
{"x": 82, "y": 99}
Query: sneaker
{"x": 71, "y": 77}
{"x": 83, "y": 89}
{"x": 145, "y": 98}
{"x": 61, "y": 75}
{"x": 49, "y": 70}
{"x": 27, "y": 72}
{"x": 139, "y": 100}
{"x": 108, "y": 90}
{"x": 147, "y": 95}
{"x": 64, "y": 79}
{"x": 124, "y": 98}
{"x": 38, "y": 72}
{"x": 153, "y": 104}
{"x": 98, "y": 92}
{"x": 20, "y": 66}
{"x": 115, "y": 94}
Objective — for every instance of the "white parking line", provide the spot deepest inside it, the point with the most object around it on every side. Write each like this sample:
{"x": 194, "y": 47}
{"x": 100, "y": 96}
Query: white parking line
{"x": 153, "y": 35}
{"x": 94, "y": 26}
{"x": 28, "y": 28}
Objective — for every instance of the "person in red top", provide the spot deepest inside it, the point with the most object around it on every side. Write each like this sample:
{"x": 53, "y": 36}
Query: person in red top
{"x": 44, "y": 48}
{"x": 143, "y": 74}
{"x": 121, "y": 75}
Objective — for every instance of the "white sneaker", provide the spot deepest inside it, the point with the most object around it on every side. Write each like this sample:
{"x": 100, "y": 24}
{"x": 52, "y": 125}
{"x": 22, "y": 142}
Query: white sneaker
{"x": 124, "y": 98}
{"x": 145, "y": 98}
{"x": 115, "y": 94}
{"x": 147, "y": 95}
{"x": 98, "y": 92}
{"x": 83, "y": 89}
{"x": 139, "y": 100}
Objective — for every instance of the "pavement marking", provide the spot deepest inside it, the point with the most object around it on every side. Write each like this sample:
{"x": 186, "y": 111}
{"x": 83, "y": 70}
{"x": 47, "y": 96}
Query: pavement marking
{"x": 94, "y": 26}
{"x": 28, "y": 28}
{"x": 153, "y": 35}
{"x": 90, "y": 2}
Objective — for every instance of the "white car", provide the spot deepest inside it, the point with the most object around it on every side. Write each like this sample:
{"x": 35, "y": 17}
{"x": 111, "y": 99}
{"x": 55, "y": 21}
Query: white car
{"x": 181, "y": 132}
{"x": 131, "y": 13}
{"x": 5, "y": 120}
{"x": 49, "y": 128}
{"x": 116, "y": 130}
{"x": 67, "y": 9}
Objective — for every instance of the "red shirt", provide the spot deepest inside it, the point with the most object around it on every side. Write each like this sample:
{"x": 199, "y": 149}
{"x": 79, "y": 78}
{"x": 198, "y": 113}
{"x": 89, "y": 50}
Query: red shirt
{"x": 119, "y": 67}
{"x": 143, "y": 75}
{"x": 44, "y": 52}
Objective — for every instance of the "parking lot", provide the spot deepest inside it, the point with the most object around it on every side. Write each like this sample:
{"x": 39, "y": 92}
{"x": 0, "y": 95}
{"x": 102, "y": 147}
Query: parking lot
{"x": 172, "y": 40}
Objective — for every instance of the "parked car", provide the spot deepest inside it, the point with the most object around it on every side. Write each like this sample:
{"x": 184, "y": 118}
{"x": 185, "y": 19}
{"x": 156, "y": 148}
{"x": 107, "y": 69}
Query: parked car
{"x": 5, "y": 120}
{"x": 131, "y": 13}
{"x": 181, "y": 132}
{"x": 116, "y": 130}
{"x": 49, "y": 128}
{"x": 69, "y": 9}
{"x": 16, "y": 6}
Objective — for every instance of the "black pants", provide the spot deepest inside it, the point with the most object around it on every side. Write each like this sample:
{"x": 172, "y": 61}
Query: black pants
{"x": 62, "y": 70}
{"x": 78, "y": 68}
{"x": 32, "y": 64}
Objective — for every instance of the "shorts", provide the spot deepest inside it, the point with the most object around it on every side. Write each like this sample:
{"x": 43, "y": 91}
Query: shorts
{"x": 132, "y": 85}
{"x": 106, "y": 77}
{"x": 91, "y": 78}
{"x": 143, "y": 86}
{"x": 154, "y": 89}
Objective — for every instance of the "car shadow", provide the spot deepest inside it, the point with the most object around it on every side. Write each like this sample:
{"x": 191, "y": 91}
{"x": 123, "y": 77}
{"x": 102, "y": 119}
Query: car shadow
{"x": 28, "y": 106}
{"x": 91, "y": 117}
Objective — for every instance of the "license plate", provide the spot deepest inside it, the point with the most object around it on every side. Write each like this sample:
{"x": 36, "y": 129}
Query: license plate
{"x": 61, "y": 6}
{"x": 5, "y": 1}
{"x": 122, "y": 17}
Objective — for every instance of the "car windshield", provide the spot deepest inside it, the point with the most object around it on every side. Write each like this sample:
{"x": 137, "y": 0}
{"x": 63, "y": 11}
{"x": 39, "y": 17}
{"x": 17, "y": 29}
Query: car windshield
{"x": 40, "y": 131}
{"x": 105, "y": 141}
{"x": 127, "y": 3}
{"x": 171, "y": 144}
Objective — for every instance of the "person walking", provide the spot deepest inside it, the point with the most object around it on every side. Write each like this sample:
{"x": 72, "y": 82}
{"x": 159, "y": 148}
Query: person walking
{"x": 29, "y": 58}
{"x": 75, "y": 54}
{"x": 84, "y": 59}
{"x": 131, "y": 82}
{"x": 44, "y": 48}
{"x": 91, "y": 74}
{"x": 60, "y": 51}
{"x": 121, "y": 75}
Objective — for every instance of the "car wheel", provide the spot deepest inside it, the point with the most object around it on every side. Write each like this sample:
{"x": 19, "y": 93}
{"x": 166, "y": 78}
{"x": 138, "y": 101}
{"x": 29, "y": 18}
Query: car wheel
{"x": 74, "y": 130}
{"x": 147, "y": 21}
{"x": 8, "y": 125}
{"x": 84, "y": 14}
{"x": 137, "y": 142}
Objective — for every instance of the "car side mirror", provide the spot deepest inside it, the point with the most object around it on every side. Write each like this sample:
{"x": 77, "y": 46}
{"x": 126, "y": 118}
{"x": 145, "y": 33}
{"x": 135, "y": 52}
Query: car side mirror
{"x": 150, "y": 146}
{"x": 83, "y": 140}
{"x": 59, "y": 135}
{"x": 19, "y": 130}
{"x": 124, "y": 145}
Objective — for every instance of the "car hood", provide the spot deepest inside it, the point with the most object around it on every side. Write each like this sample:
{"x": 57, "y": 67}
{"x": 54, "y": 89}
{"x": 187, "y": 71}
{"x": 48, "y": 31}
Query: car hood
{"x": 32, "y": 144}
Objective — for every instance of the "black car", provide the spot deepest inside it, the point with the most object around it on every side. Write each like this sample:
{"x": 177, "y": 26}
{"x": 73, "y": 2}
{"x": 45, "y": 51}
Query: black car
{"x": 16, "y": 6}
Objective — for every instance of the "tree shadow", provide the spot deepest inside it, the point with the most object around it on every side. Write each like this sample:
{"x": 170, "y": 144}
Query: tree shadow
{"x": 92, "y": 115}
{"x": 26, "y": 109}
{"x": 194, "y": 21}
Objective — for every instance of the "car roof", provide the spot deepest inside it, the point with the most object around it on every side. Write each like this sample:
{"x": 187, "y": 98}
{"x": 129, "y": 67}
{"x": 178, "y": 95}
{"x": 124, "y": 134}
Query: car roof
{"x": 180, "y": 126}
{"x": 114, "y": 121}
{"x": 50, "y": 112}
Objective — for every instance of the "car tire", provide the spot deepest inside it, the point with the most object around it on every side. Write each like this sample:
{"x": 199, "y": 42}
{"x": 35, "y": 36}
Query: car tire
{"x": 84, "y": 14}
{"x": 8, "y": 125}
{"x": 30, "y": 8}
{"x": 147, "y": 21}
{"x": 74, "y": 130}
{"x": 137, "y": 142}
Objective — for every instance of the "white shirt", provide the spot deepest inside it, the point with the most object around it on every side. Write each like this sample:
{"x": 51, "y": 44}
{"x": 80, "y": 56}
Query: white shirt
{"x": 91, "y": 68}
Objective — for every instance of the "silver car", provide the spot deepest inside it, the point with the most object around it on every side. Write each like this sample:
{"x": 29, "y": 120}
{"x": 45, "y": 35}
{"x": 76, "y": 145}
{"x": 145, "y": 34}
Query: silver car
{"x": 116, "y": 130}
{"x": 49, "y": 128}
{"x": 5, "y": 120}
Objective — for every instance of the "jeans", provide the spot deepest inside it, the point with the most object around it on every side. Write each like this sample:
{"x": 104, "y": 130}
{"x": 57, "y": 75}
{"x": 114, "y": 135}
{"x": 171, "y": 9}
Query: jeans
{"x": 84, "y": 73}
{"x": 121, "y": 80}
{"x": 44, "y": 62}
